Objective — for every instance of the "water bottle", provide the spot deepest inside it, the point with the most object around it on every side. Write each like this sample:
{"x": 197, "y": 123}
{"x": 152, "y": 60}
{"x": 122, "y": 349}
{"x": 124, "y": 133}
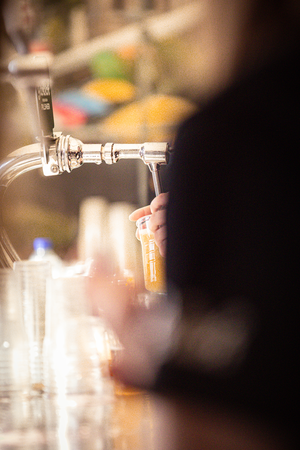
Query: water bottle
{"x": 43, "y": 251}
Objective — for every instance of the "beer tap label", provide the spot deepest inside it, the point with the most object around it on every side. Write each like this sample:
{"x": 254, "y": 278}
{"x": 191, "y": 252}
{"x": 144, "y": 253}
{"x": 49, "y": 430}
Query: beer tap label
{"x": 45, "y": 111}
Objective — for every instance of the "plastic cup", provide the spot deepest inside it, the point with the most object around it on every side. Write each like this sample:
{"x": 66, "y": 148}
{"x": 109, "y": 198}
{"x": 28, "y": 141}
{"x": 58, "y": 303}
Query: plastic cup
{"x": 153, "y": 262}
{"x": 14, "y": 359}
{"x": 73, "y": 347}
{"x": 33, "y": 278}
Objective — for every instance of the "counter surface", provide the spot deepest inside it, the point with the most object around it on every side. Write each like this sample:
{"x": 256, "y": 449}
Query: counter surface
{"x": 117, "y": 420}
{"x": 126, "y": 419}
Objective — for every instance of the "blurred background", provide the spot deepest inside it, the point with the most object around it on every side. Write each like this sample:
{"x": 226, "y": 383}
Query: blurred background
{"x": 119, "y": 74}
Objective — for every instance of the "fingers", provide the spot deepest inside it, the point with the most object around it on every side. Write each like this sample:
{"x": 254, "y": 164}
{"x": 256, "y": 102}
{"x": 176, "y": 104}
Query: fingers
{"x": 157, "y": 223}
{"x": 157, "y": 220}
{"x": 137, "y": 214}
{"x": 144, "y": 211}
{"x": 160, "y": 237}
{"x": 159, "y": 202}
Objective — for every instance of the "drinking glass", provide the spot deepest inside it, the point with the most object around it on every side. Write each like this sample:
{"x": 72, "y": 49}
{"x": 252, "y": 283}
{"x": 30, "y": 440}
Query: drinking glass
{"x": 153, "y": 262}
{"x": 73, "y": 341}
{"x": 14, "y": 357}
{"x": 33, "y": 281}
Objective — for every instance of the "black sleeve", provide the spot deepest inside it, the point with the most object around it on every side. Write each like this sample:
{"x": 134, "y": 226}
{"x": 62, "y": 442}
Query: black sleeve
{"x": 231, "y": 241}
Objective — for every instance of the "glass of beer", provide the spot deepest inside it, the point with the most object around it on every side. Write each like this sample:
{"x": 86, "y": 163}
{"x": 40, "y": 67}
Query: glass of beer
{"x": 153, "y": 262}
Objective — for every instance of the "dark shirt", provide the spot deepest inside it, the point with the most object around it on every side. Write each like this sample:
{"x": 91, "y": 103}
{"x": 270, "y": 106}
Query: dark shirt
{"x": 233, "y": 232}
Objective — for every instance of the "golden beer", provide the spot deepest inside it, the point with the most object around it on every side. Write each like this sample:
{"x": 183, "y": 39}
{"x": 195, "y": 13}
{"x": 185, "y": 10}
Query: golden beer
{"x": 153, "y": 262}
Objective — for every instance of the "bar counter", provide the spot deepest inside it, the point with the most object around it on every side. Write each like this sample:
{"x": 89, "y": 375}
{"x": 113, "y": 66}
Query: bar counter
{"x": 119, "y": 419}
{"x": 127, "y": 419}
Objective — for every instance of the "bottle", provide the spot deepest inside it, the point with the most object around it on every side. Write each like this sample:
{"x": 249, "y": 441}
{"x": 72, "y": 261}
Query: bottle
{"x": 43, "y": 251}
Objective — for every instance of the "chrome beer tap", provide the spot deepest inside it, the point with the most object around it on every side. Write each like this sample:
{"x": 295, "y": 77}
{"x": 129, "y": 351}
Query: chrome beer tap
{"x": 56, "y": 153}
{"x": 65, "y": 153}
{"x": 60, "y": 154}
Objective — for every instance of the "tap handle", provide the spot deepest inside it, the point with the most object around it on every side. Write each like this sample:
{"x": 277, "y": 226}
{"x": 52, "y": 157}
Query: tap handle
{"x": 31, "y": 73}
{"x": 45, "y": 117}
{"x": 45, "y": 109}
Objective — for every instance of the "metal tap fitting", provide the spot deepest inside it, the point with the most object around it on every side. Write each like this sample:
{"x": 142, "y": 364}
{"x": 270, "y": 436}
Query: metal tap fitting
{"x": 65, "y": 153}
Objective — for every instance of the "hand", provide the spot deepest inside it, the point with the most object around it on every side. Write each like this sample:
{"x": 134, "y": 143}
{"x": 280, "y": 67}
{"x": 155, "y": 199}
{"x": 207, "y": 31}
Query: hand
{"x": 106, "y": 296}
{"x": 157, "y": 223}
{"x": 145, "y": 333}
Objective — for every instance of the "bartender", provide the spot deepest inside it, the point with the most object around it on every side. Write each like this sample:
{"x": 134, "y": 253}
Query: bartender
{"x": 226, "y": 338}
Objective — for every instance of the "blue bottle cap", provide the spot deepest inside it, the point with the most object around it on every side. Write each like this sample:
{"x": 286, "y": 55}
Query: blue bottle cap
{"x": 42, "y": 242}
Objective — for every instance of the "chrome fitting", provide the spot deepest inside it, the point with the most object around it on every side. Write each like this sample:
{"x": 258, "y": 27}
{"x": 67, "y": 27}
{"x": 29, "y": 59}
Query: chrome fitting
{"x": 69, "y": 153}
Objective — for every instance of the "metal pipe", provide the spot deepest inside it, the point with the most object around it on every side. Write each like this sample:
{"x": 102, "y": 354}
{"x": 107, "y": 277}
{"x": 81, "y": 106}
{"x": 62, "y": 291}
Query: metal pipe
{"x": 21, "y": 161}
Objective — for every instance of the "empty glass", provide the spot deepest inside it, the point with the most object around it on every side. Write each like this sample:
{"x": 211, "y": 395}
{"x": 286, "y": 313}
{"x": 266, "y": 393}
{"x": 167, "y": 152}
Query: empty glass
{"x": 14, "y": 360}
{"x": 73, "y": 341}
{"x": 33, "y": 281}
